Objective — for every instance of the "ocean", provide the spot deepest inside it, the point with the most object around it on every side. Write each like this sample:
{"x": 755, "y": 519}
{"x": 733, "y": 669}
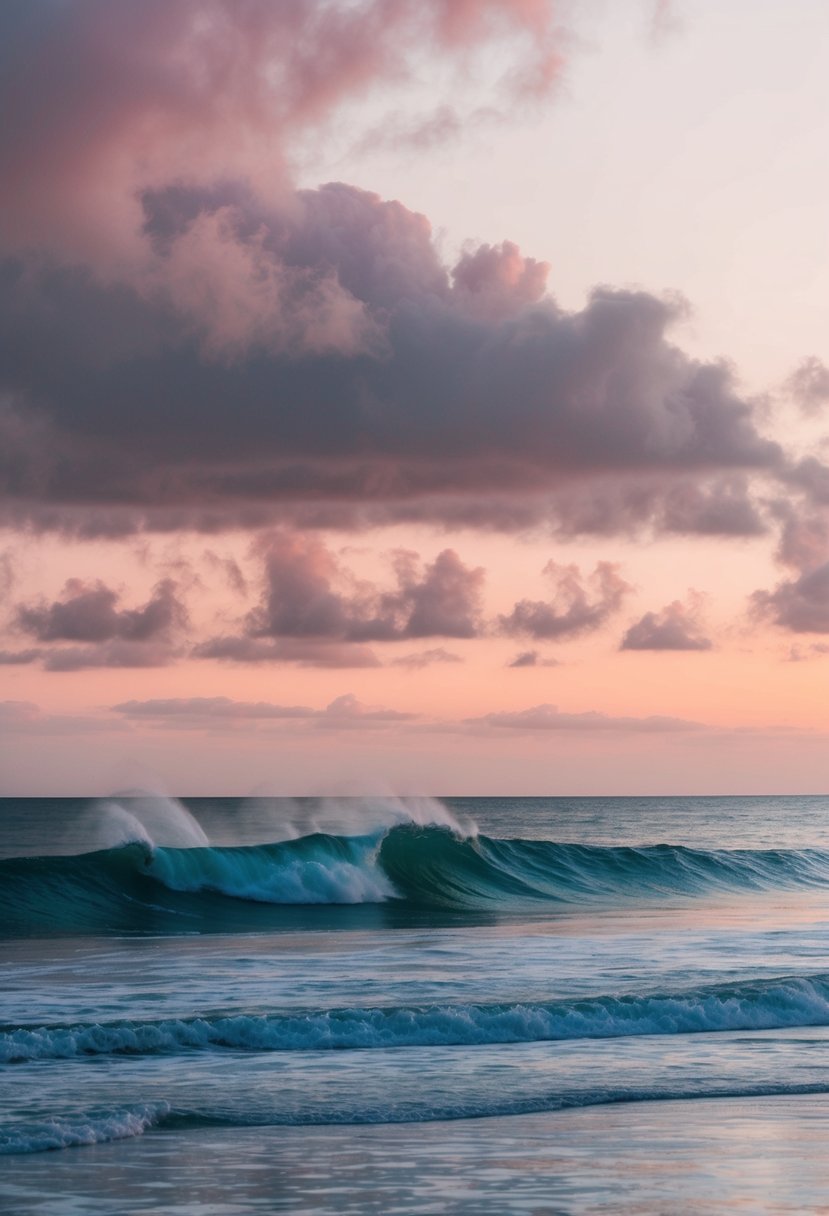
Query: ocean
{"x": 535, "y": 1005}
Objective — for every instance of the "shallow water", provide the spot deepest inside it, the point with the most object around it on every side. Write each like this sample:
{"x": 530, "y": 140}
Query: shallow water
{"x": 428, "y": 1004}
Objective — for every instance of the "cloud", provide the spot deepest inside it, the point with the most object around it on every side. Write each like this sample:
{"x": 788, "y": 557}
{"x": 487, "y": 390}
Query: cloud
{"x": 808, "y": 385}
{"x": 531, "y": 658}
{"x": 235, "y": 649}
{"x": 811, "y": 477}
{"x": 426, "y": 658}
{"x": 398, "y": 384}
{"x": 676, "y": 627}
{"x": 801, "y": 604}
{"x": 115, "y": 653}
{"x": 191, "y": 349}
{"x": 27, "y": 718}
{"x": 7, "y": 573}
{"x": 344, "y": 712}
{"x": 804, "y": 535}
{"x": 801, "y": 654}
{"x": 451, "y": 404}
{"x": 204, "y": 82}
{"x": 17, "y": 658}
{"x": 311, "y": 599}
{"x": 578, "y": 605}
{"x": 87, "y": 612}
{"x": 105, "y": 635}
{"x": 549, "y": 718}
{"x": 347, "y": 710}
{"x": 724, "y": 507}
{"x": 229, "y": 568}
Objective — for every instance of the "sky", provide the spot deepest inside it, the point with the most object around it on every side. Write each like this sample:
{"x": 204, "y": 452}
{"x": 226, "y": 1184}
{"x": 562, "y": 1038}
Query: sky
{"x": 422, "y": 396}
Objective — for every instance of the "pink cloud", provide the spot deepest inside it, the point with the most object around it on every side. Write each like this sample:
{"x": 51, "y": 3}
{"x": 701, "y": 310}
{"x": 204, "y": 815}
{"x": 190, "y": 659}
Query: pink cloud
{"x": 800, "y": 604}
{"x": 111, "y": 98}
{"x": 579, "y": 604}
{"x": 676, "y": 627}
{"x": 309, "y": 595}
{"x": 549, "y": 718}
{"x": 343, "y": 713}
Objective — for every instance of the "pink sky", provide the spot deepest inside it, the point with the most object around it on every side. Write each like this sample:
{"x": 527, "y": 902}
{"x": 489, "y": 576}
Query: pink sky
{"x": 414, "y": 396}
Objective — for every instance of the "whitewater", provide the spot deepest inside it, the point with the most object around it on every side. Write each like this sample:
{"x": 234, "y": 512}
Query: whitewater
{"x": 217, "y": 974}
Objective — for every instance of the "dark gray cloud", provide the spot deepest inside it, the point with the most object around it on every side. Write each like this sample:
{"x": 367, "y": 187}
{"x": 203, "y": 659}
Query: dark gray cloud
{"x": 183, "y": 350}
{"x": 89, "y": 613}
{"x": 18, "y": 658}
{"x": 579, "y": 604}
{"x": 103, "y": 633}
{"x": 116, "y": 653}
{"x": 676, "y": 627}
{"x": 532, "y": 658}
{"x": 584, "y": 505}
{"x": 549, "y": 718}
{"x": 801, "y": 604}
{"x": 242, "y": 649}
{"x": 461, "y": 386}
{"x": 310, "y": 596}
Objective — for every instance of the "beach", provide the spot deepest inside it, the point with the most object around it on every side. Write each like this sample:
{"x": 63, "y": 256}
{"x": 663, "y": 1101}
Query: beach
{"x": 709, "y": 1156}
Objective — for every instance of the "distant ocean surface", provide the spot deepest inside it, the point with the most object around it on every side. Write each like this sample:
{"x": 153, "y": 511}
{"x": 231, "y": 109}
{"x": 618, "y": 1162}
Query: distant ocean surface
{"x": 539, "y": 1005}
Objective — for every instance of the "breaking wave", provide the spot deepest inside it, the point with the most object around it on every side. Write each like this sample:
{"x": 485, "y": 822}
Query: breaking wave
{"x": 98, "y": 1128}
{"x": 782, "y": 1002}
{"x": 140, "y": 886}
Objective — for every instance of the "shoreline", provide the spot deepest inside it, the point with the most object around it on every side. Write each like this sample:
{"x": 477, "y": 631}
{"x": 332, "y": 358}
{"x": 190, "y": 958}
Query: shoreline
{"x": 702, "y": 1155}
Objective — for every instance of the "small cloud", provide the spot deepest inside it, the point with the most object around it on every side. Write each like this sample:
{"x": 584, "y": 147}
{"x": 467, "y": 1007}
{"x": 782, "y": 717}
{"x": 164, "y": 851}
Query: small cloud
{"x": 16, "y": 658}
{"x": 531, "y": 658}
{"x": 116, "y": 653}
{"x": 802, "y": 654}
{"x": 27, "y": 718}
{"x": 801, "y": 604}
{"x": 549, "y": 718}
{"x": 235, "y": 649}
{"x": 89, "y": 612}
{"x": 676, "y": 627}
{"x": 348, "y": 711}
{"x": 426, "y": 658}
{"x": 579, "y": 604}
{"x": 195, "y": 712}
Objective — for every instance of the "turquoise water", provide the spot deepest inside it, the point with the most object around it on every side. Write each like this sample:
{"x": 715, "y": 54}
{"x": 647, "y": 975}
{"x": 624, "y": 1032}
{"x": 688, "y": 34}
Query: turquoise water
{"x": 375, "y": 981}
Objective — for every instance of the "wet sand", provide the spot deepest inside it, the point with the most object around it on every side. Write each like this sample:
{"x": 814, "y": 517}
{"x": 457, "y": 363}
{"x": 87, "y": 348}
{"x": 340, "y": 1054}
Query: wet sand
{"x": 704, "y": 1156}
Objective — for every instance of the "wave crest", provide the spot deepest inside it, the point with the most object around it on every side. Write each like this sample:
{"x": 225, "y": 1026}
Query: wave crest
{"x": 425, "y": 867}
{"x": 782, "y": 1002}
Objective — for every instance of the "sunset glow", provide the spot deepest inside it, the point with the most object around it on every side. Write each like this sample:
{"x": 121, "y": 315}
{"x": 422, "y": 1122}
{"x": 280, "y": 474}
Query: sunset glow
{"x": 414, "y": 396}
